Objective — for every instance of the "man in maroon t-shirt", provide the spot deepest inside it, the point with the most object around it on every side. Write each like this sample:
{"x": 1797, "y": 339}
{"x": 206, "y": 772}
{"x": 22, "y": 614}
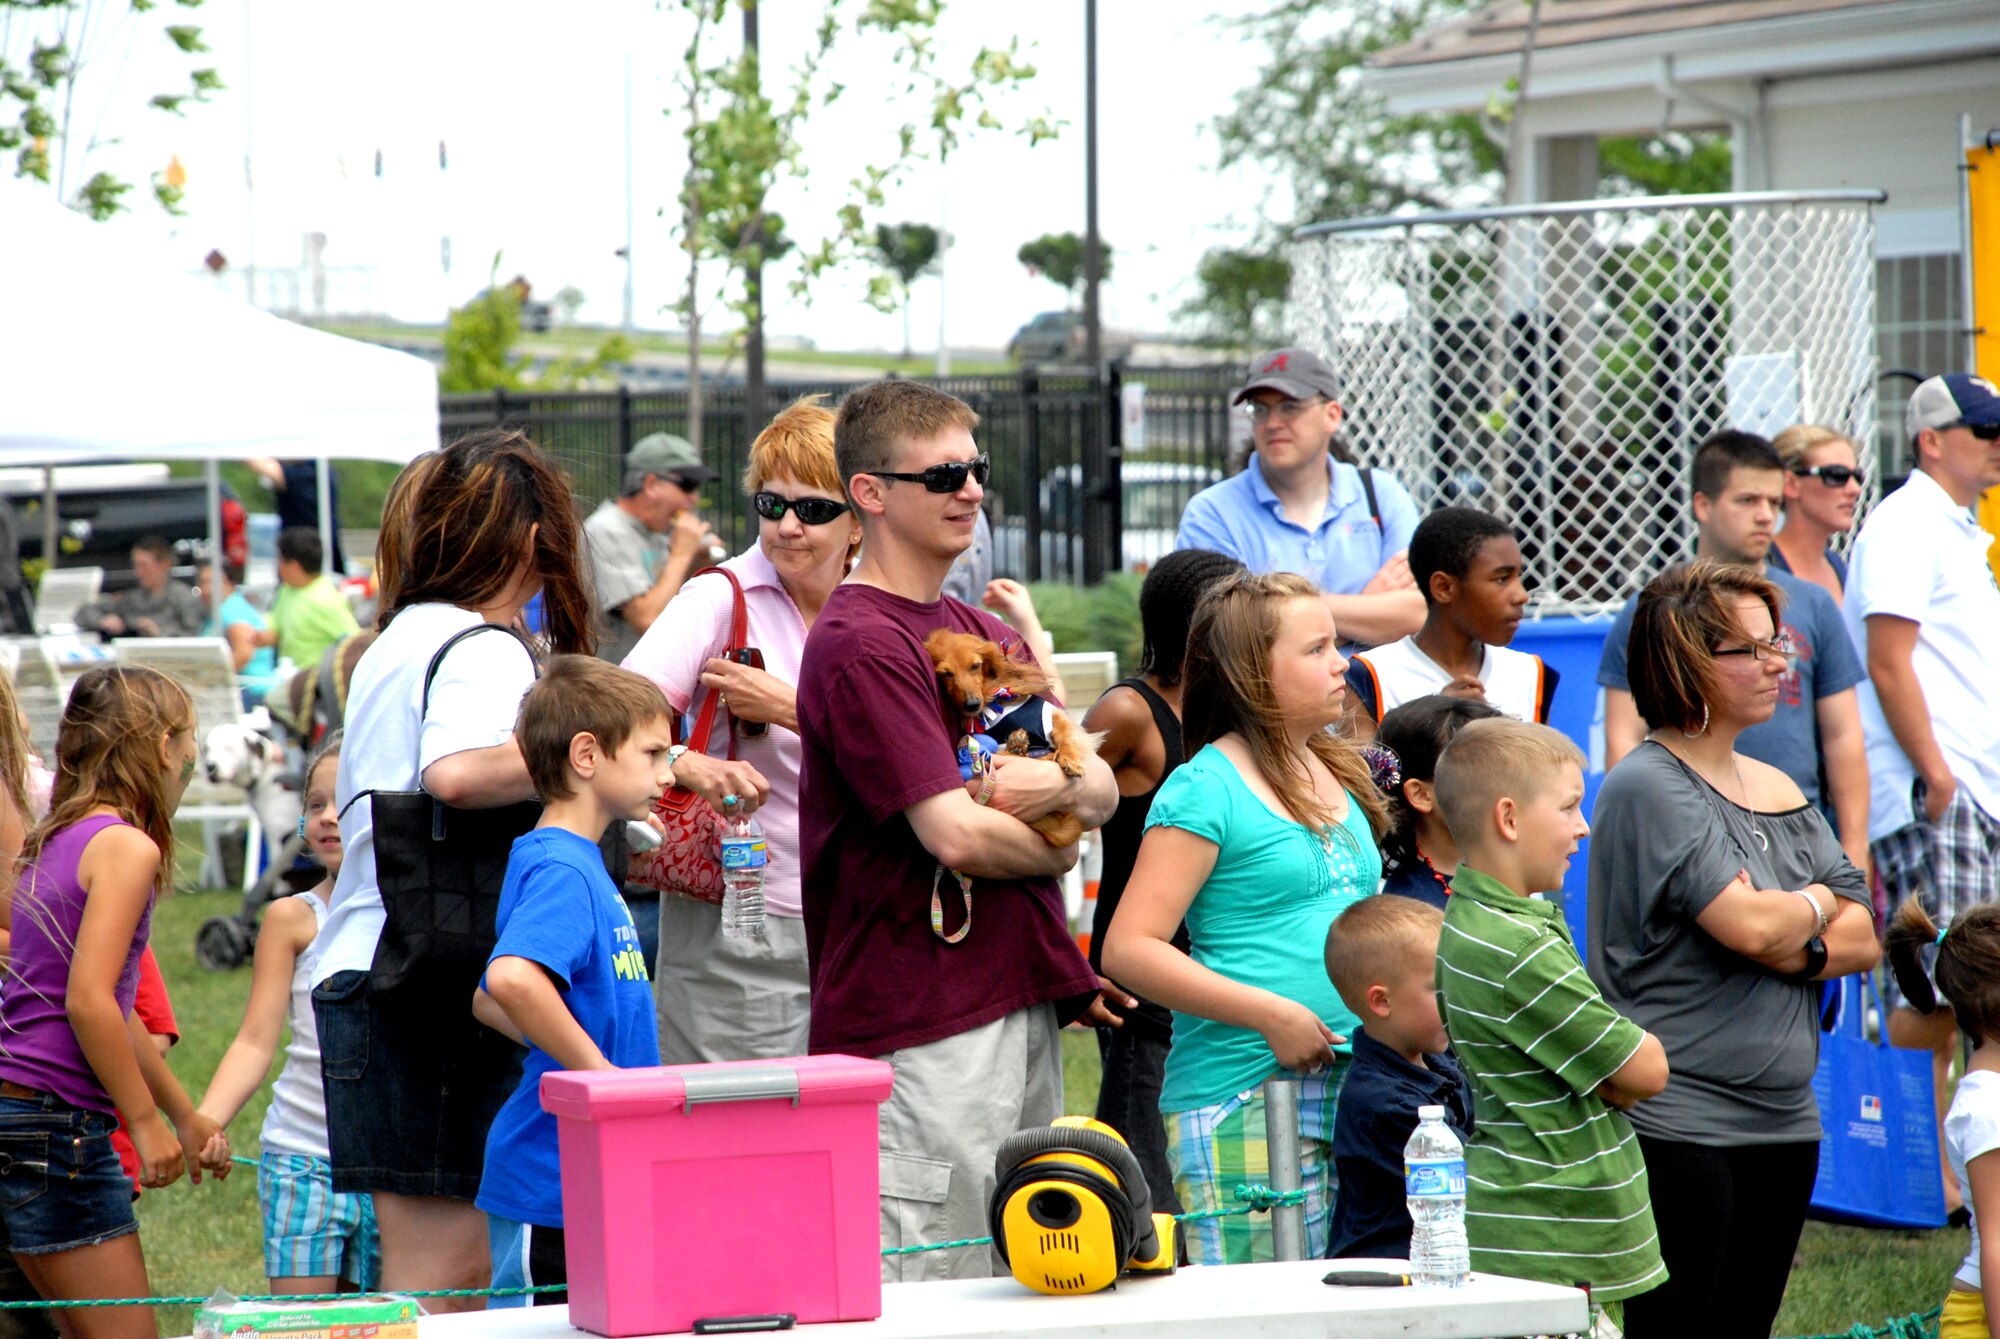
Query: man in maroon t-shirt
{"x": 960, "y": 987}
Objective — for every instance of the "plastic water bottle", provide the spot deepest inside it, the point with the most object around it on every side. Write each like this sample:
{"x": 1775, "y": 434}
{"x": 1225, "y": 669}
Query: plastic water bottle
{"x": 743, "y": 860}
{"x": 1434, "y": 1183}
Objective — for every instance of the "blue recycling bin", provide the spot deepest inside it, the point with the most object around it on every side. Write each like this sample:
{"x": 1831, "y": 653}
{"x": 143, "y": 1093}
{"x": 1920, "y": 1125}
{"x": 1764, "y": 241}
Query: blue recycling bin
{"x": 1572, "y": 647}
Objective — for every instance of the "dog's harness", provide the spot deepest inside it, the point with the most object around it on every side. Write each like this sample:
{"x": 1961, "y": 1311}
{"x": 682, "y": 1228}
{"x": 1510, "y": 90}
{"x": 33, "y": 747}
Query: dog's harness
{"x": 997, "y": 721}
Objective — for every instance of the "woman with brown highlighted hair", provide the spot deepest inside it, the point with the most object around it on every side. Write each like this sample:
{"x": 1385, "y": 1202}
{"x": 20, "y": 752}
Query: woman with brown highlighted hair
{"x": 723, "y": 998}
{"x": 1719, "y": 901}
{"x": 470, "y": 534}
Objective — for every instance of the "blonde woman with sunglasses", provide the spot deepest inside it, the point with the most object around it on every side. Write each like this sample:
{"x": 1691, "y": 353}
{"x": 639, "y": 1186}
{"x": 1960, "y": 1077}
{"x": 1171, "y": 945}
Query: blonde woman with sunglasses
{"x": 723, "y": 998}
{"x": 1823, "y": 485}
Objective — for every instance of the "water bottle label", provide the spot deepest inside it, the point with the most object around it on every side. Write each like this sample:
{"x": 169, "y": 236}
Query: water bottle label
{"x": 1434, "y": 1178}
{"x": 739, "y": 853}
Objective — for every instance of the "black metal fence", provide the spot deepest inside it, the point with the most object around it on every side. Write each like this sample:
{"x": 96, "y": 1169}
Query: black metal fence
{"x": 1081, "y": 487}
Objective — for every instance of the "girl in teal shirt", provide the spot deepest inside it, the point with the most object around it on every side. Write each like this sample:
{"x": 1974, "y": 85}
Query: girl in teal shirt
{"x": 1259, "y": 840}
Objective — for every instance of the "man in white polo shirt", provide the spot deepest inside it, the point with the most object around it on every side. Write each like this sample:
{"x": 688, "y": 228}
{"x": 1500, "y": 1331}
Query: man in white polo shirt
{"x": 1922, "y": 601}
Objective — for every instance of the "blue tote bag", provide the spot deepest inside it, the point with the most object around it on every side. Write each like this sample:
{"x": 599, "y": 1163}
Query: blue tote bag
{"x": 1878, "y": 1158}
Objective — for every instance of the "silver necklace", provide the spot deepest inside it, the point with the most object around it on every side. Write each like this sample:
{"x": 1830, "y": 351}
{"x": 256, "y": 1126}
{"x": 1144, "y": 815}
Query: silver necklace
{"x": 1763, "y": 842}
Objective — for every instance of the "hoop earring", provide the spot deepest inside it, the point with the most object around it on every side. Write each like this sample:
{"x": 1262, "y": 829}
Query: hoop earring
{"x": 1697, "y": 734}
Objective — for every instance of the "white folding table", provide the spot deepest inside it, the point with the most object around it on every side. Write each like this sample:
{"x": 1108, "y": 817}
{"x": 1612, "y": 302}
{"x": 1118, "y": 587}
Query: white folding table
{"x": 1272, "y": 1301}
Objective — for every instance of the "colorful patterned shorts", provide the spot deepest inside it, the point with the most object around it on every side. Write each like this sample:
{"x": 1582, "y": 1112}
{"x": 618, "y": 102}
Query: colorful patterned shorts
{"x": 312, "y": 1230}
{"x": 1215, "y": 1149}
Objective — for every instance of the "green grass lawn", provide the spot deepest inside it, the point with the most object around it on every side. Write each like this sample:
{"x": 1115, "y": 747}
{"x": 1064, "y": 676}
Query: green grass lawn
{"x": 200, "y": 1238}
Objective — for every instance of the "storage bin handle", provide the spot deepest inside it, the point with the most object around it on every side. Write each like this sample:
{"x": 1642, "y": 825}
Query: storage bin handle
{"x": 741, "y": 1085}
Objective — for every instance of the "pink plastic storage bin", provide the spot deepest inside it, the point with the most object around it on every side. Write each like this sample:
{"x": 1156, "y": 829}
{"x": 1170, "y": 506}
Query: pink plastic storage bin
{"x": 699, "y": 1191}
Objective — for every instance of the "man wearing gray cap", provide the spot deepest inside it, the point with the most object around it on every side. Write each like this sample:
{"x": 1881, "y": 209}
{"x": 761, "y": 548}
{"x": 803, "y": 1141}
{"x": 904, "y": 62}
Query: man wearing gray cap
{"x": 1298, "y": 507}
{"x": 645, "y": 542}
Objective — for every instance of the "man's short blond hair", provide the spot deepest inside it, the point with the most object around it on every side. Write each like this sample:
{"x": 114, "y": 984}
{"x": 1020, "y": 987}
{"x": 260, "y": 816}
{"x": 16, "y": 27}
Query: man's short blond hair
{"x": 1376, "y": 938}
{"x": 1496, "y": 759}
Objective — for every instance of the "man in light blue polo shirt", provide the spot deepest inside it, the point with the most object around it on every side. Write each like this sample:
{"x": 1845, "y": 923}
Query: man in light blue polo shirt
{"x": 1296, "y": 508}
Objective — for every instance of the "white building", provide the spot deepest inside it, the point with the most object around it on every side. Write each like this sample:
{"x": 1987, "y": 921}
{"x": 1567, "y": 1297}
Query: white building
{"x": 1815, "y": 94}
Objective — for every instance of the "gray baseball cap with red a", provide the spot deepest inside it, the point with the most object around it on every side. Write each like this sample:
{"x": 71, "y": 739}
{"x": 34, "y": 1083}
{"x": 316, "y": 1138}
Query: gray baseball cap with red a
{"x": 1298, "y": 374}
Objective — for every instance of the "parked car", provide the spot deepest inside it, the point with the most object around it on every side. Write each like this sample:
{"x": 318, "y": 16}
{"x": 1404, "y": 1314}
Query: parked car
{"x": 1059, "y": 337}
{"x": 103, "y": 510}
{"x": 1153, "y": 494}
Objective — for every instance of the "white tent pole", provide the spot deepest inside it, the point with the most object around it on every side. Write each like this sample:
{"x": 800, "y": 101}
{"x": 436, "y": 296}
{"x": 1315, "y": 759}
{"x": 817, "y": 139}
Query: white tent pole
{"x": 51, "y": 529}
{"x": 215, "y": 557}
{"x": 325, "y": 468}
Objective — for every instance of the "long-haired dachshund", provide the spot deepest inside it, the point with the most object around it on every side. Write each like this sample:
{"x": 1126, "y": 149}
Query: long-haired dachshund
{"x": 1000, "y": 696}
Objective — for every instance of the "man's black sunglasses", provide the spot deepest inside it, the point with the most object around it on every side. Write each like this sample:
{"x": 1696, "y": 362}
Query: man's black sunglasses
{"x": 1833, "y": 476}
{"x": 948, "y": 477}
{"x": 810, "y": 510}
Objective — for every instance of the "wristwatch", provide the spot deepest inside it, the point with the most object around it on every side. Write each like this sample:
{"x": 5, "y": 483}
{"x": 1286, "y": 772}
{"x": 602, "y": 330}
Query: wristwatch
{"x": 1815, "y": 960}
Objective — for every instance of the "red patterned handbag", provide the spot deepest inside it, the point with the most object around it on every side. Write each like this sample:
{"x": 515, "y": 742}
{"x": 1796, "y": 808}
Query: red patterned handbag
{"x": 688, "y": 863}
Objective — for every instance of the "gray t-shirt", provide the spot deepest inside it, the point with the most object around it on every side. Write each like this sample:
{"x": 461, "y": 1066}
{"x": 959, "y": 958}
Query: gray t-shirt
{"x": 966, "y": 582}
{"x": 625, "y": 558}
{"x": 1825, "y": 664}
{"x": 1742, "y": 1042}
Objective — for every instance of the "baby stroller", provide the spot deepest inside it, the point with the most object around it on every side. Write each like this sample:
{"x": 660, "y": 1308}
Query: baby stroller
{"x": 309, "y": 706}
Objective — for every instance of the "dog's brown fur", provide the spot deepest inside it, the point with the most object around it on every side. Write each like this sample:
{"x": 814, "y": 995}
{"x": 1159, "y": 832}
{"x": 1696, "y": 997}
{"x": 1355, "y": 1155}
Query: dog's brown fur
{"x": 972, "y": 671}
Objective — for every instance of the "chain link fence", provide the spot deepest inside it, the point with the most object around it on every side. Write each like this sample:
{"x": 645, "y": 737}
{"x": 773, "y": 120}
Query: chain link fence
{"x": 1559, "y": 364}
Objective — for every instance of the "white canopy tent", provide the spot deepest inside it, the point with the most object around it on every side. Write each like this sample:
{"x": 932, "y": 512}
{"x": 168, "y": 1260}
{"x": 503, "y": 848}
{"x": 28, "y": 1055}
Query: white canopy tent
{"x": 107, "y": 353}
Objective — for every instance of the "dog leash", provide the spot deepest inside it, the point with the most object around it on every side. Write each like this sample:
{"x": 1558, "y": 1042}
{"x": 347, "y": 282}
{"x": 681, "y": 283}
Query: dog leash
{"x": 979, "y": 769}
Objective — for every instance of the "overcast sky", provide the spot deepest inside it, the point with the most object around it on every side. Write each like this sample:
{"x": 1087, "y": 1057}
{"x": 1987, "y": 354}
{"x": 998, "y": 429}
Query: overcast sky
{"x": 530, "y": 102}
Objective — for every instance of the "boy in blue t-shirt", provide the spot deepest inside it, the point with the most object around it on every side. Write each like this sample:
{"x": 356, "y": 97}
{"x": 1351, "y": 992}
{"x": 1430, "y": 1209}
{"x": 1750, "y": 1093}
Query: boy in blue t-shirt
{"x": 566, "y": 978}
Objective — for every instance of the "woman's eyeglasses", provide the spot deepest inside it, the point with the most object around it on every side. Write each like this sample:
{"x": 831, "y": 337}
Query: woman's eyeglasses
{"x": 1833, "y": 476}
{"x": 948, "y": 477}
{"x": 1783, "y": 647}
{"x": 809, "y": 510}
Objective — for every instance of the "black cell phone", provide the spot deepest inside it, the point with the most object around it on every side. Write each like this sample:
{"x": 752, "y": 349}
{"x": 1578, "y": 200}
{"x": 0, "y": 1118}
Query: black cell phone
{"x": 754, "y": 658}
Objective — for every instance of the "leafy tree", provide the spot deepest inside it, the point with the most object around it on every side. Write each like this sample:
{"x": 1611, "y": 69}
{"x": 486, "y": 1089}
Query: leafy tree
{"x": 908, "y": 251}
{"x": 1242, "y": 297}
{"x": 567, "y": 302}
{"x": 1058, "y": 257}
{"x": 1674, "y": 164}
{"x": 1308, "y": 117}
{"x": 741, "y": 142}
{"x": 46, "y": 46}
{"x": 479, "y": 340}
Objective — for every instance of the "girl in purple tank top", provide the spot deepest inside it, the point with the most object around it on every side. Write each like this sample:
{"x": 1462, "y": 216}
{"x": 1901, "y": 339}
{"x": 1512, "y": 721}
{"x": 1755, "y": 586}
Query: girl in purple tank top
{"x": 71, "y": 1060}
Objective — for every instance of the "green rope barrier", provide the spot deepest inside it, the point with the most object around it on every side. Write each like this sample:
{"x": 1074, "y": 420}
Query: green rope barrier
{"x": 1917, "y": 1325}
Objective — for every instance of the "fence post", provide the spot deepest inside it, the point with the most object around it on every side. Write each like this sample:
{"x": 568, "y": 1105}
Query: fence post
{"x": 624, "y": 429}
{"x": 1031, "y": 470}
{"x": 1111, "y": 489}
{"x": 1281, "y": 1139}
{"x": 1095, "y": 470}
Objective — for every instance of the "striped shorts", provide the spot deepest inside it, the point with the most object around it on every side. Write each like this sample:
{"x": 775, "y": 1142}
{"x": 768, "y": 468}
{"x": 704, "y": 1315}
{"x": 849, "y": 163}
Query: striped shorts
{"x": 310, "y": 1229}
{"x": 1217, "y": 1148}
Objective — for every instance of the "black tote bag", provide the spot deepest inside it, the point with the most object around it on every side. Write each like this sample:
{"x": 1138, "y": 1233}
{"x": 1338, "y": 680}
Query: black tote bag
{"x": 439, "y": 870}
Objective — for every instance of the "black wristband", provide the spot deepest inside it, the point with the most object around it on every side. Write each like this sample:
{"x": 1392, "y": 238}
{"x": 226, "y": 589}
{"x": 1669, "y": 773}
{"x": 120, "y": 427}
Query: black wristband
{"x": 1815, "y": 960}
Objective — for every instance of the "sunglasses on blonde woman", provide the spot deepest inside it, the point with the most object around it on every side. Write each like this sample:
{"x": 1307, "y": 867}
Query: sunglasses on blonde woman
{"x": 809, "y": 510}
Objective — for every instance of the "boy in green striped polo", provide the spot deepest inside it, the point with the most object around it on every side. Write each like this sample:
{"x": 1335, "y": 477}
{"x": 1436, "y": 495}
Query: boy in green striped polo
{"x": 1556, "y": 1188}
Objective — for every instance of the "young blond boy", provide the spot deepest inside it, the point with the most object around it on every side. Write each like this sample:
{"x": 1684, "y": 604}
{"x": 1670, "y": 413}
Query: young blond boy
{"x": 1556, "y": 1187}
{"x": 1381, "y": 955}
{"x": 567, "y": 977}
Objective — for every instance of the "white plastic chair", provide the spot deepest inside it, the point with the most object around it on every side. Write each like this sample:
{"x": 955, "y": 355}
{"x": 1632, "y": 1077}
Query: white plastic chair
{"x": 63, "y": 591}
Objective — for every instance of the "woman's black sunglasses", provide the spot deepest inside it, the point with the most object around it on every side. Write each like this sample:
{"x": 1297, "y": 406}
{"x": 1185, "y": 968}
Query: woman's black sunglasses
{"x": 1833, "y": 476}
{"x": 810, "y": 510}
{"x": 948, "y": 477}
